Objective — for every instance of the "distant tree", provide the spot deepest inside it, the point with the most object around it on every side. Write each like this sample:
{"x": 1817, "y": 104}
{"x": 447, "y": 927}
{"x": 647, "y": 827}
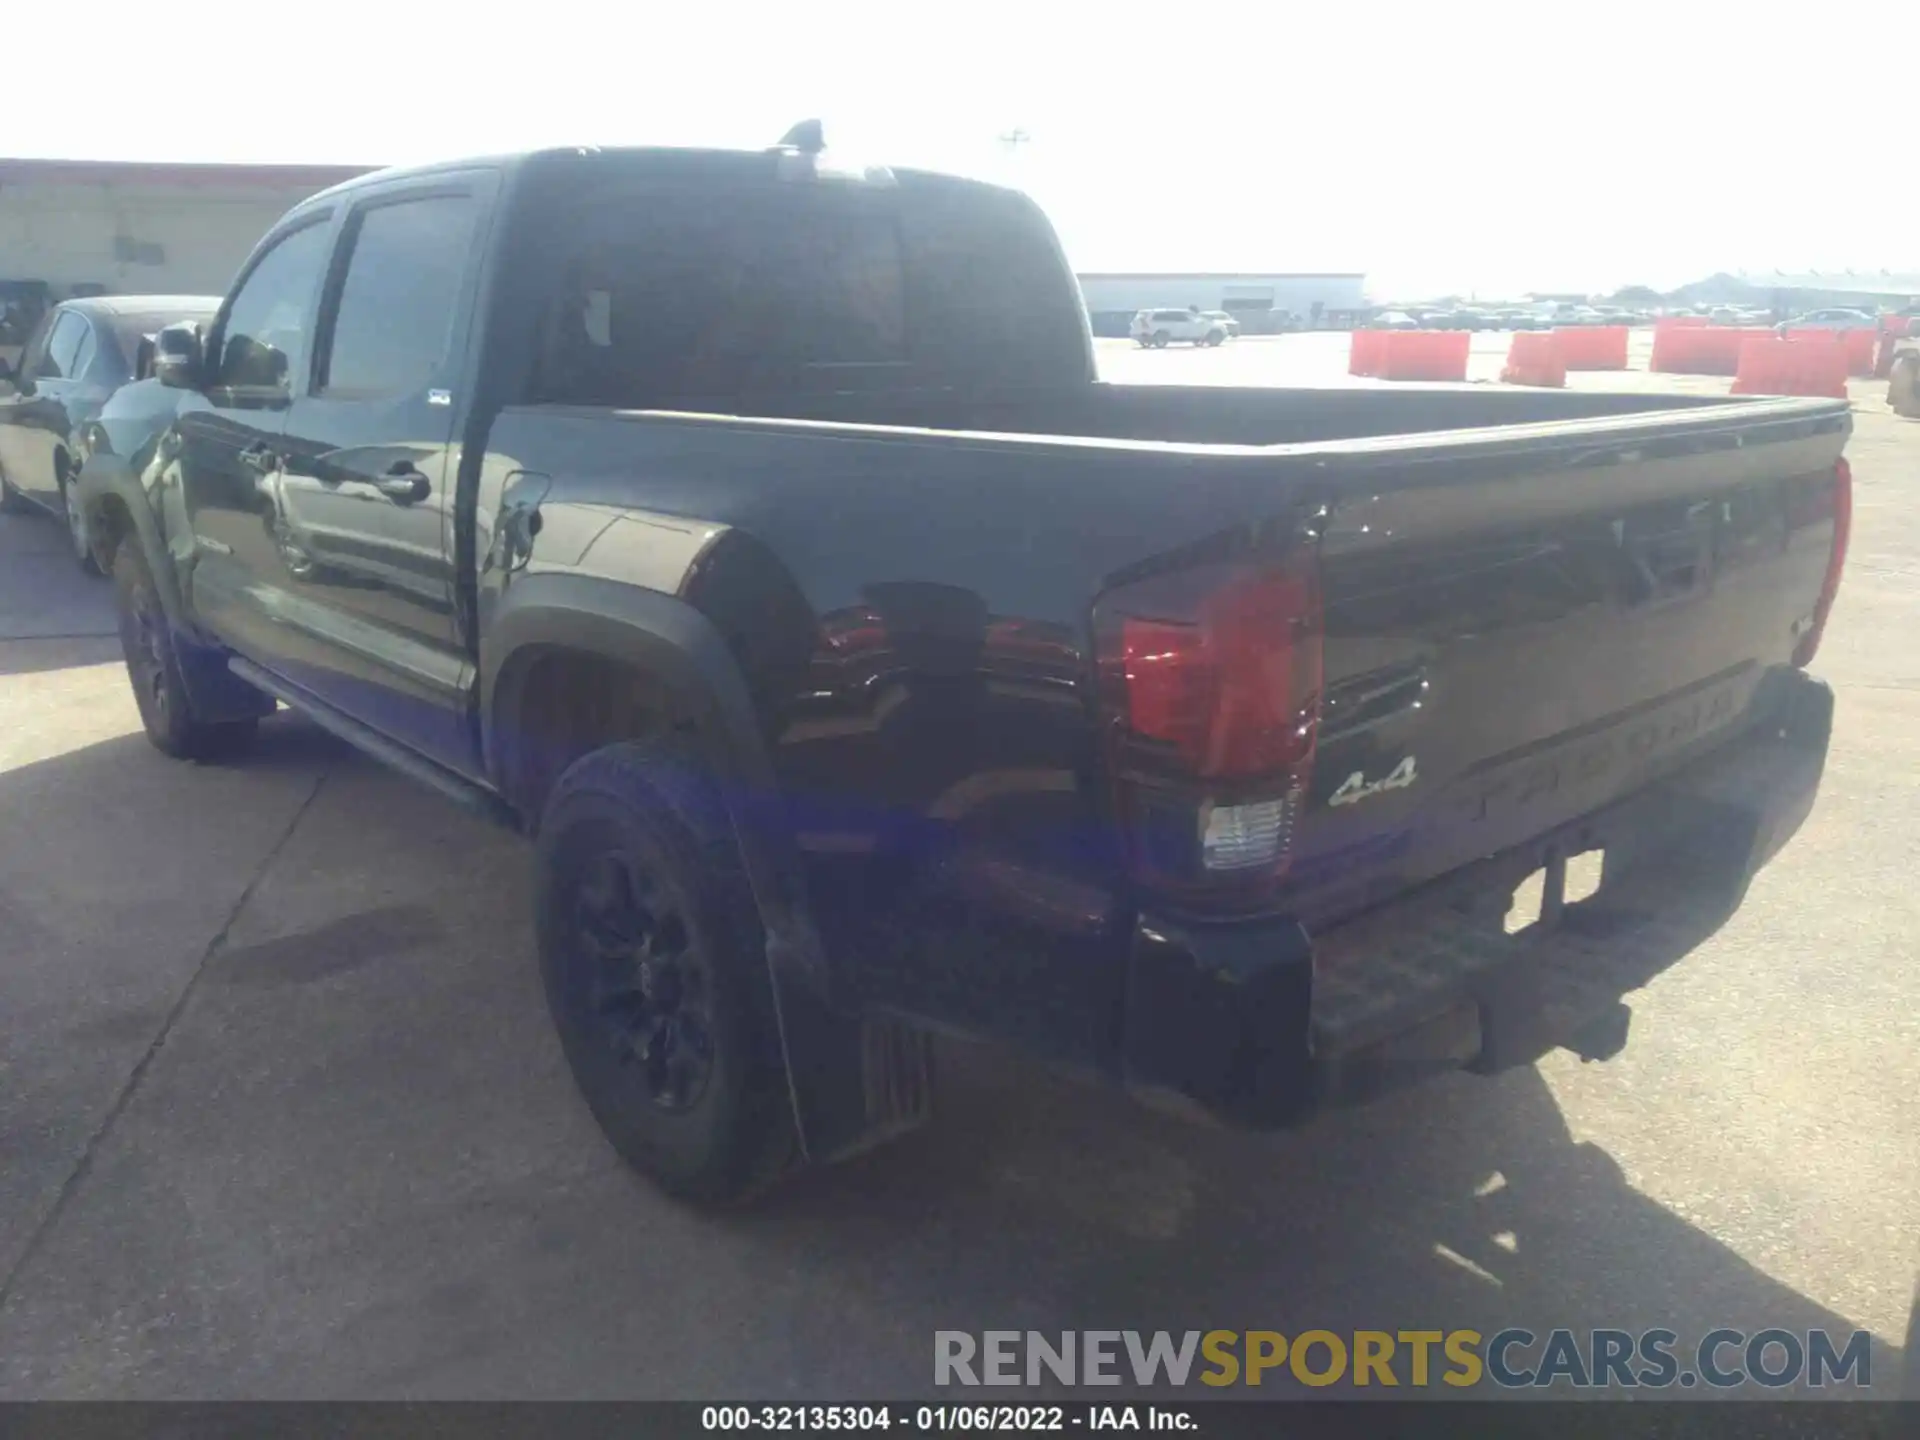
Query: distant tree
{"x": 1638, "y": 295}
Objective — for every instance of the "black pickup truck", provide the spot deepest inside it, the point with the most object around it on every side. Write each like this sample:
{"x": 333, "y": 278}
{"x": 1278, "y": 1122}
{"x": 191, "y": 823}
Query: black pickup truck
{"x": 758, "y": 537}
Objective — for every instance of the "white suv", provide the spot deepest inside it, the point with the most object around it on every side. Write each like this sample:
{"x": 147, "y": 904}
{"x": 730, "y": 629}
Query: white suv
{"x": 1155, "y": 329}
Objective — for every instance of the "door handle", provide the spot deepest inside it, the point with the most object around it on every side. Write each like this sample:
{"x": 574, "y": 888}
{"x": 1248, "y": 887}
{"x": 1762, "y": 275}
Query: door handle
{"x": 260, "y": 459}
{"x": 404, "y": 485}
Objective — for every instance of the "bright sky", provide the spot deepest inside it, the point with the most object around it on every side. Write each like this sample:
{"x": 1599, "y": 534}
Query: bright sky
{"x": 1460, "y": 144}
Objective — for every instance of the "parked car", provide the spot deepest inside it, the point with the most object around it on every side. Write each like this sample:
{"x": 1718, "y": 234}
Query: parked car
{"x": 1155, "y": 329}
{"x": 1903, "y": 376}
{"x": 865, "y": 668}
{"x": 128, "y": 429}
{"x": 1831, "y": 320}
{"x": 22, "y": 304}
{"x": 1393, "y": 320}
{"x": 81, "y": 352}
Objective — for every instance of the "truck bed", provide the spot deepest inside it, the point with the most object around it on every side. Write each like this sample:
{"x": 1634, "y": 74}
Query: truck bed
{"x": 1539, "y": 606}
{"x": 1233, "y": 415}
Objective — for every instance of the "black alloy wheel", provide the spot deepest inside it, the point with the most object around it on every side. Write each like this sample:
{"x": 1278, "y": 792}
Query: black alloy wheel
{"x": 656, "y": 973}
{"x": 650, "y": 985}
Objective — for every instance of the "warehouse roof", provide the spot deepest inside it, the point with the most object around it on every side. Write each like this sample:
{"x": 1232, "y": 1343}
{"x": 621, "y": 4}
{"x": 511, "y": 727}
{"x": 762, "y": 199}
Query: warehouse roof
{"x": 1222, "y": 275}
{"x": 1863, "y": 282}
{"x": 138, "y": 172}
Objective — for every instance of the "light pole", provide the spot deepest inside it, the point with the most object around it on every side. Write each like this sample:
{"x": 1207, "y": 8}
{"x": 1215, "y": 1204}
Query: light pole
{"x": 1013, "y": 143}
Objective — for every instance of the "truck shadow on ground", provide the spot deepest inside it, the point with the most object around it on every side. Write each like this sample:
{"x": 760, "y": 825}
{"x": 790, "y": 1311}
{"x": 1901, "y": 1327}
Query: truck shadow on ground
{"x": 1464, "y": 1204}
{"x": 447, "y": 1223}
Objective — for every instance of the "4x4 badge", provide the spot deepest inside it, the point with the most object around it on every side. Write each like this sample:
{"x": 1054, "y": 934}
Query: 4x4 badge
{"x": 1356, "y": 787}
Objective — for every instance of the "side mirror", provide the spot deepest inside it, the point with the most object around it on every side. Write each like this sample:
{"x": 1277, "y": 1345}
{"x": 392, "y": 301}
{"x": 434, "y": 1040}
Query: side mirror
{"x": 177, "y": 356}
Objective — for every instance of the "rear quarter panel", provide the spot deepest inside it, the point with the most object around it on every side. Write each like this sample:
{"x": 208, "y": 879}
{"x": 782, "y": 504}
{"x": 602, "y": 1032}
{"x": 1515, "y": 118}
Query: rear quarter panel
{"x": 912, "y": 611}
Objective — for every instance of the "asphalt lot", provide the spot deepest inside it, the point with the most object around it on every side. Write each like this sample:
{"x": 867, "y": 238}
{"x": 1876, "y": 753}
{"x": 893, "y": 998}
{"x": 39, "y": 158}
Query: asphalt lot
{"x": 281, "y": 1113}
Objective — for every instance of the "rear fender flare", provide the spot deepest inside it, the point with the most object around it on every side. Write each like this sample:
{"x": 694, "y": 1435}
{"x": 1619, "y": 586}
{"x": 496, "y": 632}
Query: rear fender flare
{"x": 678, "y": 646}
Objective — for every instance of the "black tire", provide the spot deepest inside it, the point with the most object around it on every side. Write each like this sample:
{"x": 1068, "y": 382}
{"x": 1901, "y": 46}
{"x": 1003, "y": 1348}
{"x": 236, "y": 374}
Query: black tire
{"x": 77, "y": 531}
{"x": 1215, "y": 338}
{"x": 656, "y": 977}
{"x": 1160, "y": 339}
{"x": 153, "y": 667}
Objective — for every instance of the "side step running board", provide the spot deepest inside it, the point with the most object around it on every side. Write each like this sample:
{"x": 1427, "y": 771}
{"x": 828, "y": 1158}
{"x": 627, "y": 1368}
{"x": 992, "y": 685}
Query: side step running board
{"x": 456, "y": 788}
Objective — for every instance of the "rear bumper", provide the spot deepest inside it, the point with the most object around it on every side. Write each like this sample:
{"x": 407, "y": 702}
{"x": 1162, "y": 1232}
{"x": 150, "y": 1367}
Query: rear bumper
{"x": 1259, "y": 1023}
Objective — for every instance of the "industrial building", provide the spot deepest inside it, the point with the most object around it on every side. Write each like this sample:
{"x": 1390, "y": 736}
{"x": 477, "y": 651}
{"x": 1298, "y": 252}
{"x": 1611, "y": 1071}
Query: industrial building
{"x": 1790, "y": 293}
{"x": 1261, "y": 302}
{"x": 74, "y": 227}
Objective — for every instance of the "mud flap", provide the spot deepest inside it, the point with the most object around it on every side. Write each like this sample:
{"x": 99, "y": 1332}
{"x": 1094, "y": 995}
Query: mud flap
{"x": 1217, "y": 1020}
{"x": 858, "y": 1081}
{"x": 854, "y": 1080}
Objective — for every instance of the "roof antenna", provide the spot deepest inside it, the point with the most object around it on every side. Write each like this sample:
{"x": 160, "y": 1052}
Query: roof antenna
{"x": 806, "y": 137}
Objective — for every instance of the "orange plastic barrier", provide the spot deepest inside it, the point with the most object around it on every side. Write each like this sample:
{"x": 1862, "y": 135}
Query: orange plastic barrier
{"x": 1535, "y": 359}
{"x": 1773, "y": 366}
{"x": 1897, "y": 325}
{"x": 1423, "y": 355}
{"x": 1364, "y": 356}
{"x": 1701, "y": 349}
{"x": 1593, "y": 347}
{"x": 1858, "y": 345}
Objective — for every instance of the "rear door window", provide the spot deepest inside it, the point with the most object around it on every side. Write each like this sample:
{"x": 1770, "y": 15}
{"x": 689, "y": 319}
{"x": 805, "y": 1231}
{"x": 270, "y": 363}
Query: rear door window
{"x": 63, "y": 345}
{"x": 83, "y": 357}
{"x": 392, "y": 329}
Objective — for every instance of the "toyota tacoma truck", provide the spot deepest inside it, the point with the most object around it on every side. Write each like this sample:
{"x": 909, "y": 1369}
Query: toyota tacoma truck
{"x": 756, "y": 535}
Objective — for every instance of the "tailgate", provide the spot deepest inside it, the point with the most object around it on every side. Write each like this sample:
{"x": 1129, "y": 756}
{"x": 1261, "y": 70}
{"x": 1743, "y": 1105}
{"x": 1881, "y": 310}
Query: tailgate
{"x": 1520, "y": 630}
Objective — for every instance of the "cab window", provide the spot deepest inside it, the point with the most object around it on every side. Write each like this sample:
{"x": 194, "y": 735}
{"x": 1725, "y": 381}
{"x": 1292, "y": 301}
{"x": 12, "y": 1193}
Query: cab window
{"x": 63, "y": 347}
{"x": 263, "y": 342}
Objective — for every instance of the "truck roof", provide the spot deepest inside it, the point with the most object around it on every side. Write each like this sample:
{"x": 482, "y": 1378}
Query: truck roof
{"x": 746, "y": 164}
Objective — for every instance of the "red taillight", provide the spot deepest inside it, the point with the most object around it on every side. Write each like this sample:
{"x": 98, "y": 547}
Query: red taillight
{"x": 1803, "y": 652}
{"x": 1211, "y": 679}
{"x": 1235, "y": 688}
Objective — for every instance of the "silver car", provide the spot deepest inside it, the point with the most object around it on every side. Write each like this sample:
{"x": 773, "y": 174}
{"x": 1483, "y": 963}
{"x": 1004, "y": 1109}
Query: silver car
{"x": 1832, "y": 320}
